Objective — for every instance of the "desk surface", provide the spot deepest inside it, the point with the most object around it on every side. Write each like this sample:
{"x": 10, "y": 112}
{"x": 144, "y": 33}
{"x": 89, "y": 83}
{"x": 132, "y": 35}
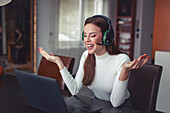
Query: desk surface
{"x": 12, "y": 99}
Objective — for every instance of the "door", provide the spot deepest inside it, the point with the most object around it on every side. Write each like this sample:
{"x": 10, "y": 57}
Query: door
{"x": 144, "y": 27}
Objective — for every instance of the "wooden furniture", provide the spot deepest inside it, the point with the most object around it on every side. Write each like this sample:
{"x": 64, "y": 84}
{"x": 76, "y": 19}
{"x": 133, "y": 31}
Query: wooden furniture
{"x": 50, "y": 69}
{"x": 125, "y": 26}
{"x": 10, "y": 45}
{"x": 143, "y": 86}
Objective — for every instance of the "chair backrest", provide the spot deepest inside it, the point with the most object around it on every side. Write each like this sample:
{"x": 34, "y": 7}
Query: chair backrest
{"x": 143, "y": 86}
{"x": 50, "y": 69}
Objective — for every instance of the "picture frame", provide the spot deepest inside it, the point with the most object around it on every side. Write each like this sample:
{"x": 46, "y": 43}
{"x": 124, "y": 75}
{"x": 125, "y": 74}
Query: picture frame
{"x": 18, "y": 35}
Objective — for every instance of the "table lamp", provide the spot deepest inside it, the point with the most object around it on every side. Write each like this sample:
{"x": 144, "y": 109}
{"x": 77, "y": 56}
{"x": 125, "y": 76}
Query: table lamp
{"x": 4, "y": 2}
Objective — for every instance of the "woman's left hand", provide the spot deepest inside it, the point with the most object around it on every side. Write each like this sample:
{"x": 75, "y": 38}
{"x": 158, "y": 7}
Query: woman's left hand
{"x": 137, "y": 63}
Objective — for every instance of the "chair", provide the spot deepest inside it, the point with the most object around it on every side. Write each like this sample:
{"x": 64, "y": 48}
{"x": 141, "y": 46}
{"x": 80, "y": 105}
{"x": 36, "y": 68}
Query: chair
{"x": 143, "y": 86}
{"x": 50, "y": 69}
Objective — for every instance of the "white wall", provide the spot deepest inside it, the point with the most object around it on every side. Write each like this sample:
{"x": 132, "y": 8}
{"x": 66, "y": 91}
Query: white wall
{"x": 46, "y": 25}
{"x": 109, "y": 9}
{"x": 163, "y": 100}
{"x": 145, "y": 16}
{"x": 72, "y": 52}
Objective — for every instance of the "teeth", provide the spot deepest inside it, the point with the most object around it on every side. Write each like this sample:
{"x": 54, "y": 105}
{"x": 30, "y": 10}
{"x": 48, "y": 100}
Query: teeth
{"x": 89, "y": 45}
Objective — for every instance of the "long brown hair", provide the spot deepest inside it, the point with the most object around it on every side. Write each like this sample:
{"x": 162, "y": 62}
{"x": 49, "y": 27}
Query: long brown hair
{"x": 90, "y": 62}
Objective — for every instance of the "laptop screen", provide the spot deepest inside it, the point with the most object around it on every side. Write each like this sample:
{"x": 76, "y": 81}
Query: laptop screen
{"x": 41, "y": 92}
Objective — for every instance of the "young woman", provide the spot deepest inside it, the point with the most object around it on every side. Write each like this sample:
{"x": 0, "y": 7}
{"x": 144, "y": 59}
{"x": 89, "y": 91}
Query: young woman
{"x": 103, "y": 68}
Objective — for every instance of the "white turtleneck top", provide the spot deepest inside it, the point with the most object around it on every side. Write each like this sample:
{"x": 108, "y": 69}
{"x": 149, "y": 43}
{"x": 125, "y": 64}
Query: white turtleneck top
{"x": 106, "y": 84}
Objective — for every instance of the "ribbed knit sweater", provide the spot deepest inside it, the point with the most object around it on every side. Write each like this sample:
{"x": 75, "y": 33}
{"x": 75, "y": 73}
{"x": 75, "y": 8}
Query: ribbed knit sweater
{"x": 106, "y": 84}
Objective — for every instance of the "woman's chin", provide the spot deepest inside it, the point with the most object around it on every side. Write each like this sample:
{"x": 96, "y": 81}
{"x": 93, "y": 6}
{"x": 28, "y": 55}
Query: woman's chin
{"x": 90, "y": 52}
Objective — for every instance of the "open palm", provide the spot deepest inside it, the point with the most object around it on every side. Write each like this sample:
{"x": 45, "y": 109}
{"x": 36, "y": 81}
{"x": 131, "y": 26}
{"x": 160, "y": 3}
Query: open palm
{"x": 49, "y": 57}
{"x": 137, "y": 63}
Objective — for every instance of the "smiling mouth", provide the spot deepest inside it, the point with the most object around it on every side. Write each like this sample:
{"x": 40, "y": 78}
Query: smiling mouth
{"x": 89, "y": 47}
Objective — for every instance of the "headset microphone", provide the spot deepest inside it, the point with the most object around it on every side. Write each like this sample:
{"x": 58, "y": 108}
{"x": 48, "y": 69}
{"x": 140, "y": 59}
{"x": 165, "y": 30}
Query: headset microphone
{"x": 100, "y": 44}
{"x": 106, "y": 42}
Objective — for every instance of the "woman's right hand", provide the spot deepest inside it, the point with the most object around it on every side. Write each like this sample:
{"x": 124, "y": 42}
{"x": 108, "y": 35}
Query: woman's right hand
{"x": 52, "y": 58}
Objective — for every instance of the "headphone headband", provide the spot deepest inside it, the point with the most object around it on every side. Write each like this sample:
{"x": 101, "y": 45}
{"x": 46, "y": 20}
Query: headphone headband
{"x": 106, "y": 18}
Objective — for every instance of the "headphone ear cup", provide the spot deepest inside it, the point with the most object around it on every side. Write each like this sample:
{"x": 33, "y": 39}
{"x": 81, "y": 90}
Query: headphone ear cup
{"x": 82, "y": 36}
{"x": 105, "y": 37}
{"x": 110, "y": 37}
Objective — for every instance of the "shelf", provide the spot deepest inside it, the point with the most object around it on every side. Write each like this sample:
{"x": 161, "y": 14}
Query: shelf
{"x": 121, "y": 23}
{"x": 124, "y": 21}
{"x": 123, "y": 43}
{"x": 125, "y": 26}
{"x": 123, "y": 32}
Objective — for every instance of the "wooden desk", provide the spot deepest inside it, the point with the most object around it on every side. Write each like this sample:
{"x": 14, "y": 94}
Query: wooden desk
{"x": 12, "y": 99}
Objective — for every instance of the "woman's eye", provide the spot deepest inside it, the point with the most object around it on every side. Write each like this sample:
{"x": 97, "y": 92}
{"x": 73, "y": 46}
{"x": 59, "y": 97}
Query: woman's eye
{"x": 93, "y": 36}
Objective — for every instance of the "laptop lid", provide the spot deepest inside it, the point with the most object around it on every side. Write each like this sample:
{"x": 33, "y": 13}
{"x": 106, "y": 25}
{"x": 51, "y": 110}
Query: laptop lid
{"x": 41, "y": 92}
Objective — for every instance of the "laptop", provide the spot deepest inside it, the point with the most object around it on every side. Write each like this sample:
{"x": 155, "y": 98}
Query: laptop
{"x": 44, "y": 94}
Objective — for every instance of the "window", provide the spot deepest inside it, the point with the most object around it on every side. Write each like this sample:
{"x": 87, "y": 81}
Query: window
{"x": 68, "y": 20}
{"x": 71, "y": 21}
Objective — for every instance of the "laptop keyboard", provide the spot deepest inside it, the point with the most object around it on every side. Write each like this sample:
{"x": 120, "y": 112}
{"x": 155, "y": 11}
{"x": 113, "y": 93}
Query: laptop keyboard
{"x": 72, "y": 109}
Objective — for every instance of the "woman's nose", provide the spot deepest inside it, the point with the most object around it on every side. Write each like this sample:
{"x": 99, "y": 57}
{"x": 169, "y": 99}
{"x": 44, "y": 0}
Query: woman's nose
{"x": 88, "y": 39}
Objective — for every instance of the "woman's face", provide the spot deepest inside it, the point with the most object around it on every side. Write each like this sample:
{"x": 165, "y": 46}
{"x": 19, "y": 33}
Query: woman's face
{"x": 92, "y": 36}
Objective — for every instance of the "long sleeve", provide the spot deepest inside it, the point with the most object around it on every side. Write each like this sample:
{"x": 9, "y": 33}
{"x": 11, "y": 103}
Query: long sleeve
{"x": 74, "y": 84}
{"x": 119, "y": 92}
{"x": 106, "y": 84}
